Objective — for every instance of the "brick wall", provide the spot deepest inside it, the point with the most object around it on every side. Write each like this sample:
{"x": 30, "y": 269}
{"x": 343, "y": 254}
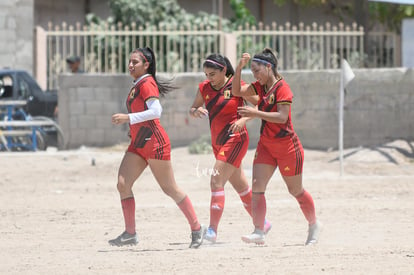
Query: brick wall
{"x": 379, "y": 107}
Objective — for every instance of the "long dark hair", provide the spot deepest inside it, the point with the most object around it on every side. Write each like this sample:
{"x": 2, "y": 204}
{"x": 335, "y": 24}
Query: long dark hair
{"x": 268, "y": 56}
{"x": 217, "y": 61}
{"x": 147, "y": 55}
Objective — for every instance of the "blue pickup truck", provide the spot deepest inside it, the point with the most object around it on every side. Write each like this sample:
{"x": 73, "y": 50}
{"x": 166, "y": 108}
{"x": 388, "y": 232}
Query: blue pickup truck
{"x": 20, "y": 85}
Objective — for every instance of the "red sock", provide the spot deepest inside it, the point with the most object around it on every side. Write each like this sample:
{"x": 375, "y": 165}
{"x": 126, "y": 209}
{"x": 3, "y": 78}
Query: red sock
{"x": 246, "y": 197}
{"x": 128, "y": 208}
{"x": 188, "y": 210}
{"x": 308, "y": 207}
{"x": 216, "y": 207}
{"x": 258, "y": 210}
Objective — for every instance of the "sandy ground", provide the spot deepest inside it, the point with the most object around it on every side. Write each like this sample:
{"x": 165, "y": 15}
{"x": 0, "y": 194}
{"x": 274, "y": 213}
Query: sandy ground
{"x": 58, "y": 212}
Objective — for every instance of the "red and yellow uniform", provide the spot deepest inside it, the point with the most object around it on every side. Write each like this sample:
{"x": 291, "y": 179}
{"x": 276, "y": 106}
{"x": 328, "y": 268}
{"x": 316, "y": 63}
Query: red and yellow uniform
{"x": 148, "y": 138}
{"x": 222, "y": 110}
{"x": 278, "y": 145}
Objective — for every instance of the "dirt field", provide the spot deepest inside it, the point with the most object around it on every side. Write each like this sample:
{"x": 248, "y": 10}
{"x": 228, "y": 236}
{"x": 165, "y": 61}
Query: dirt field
{"x": 58, "y": 212}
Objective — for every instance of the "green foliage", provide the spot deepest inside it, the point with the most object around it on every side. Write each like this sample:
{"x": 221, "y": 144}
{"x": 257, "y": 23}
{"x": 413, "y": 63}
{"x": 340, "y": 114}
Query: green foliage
{"x": 390, "y": 15}
{"x": 201, "y": 146}
{"x": 241, "y": 14}
{"x": 157, "y": 13}
{"x": 160, "y": 15}
{"x": 301, "y": 2}
{"x": 152, "y": 12}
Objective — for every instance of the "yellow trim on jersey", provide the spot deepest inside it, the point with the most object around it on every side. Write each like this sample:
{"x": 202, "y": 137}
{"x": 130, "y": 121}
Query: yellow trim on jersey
{"x": 285, "y": 102}
{"x": 152, "y": 97}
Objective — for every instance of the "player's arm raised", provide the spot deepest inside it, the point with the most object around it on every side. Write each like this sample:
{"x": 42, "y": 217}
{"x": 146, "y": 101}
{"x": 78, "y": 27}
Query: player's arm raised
{"x": 246, "y": 90}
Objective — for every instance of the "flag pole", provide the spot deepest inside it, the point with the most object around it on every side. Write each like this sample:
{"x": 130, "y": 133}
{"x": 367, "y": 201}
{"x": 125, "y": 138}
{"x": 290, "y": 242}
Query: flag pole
{"x": 341, "y": 121}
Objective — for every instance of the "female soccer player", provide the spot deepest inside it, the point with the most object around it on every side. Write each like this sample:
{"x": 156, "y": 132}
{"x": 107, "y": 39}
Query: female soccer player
{"x": 229, "y": 137}
{"x": 150, "y": 146}
{"x": 278, "y": 146}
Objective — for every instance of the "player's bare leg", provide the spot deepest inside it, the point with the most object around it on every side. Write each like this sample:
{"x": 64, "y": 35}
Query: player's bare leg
{"x": 261, "y": 176}
{"x": 239, "y": 182}
{"x": 221, "y": 173}
{"x": 295, "y": 187}
{"x": 131, "y": 168}
{"x": 163, "y": 173}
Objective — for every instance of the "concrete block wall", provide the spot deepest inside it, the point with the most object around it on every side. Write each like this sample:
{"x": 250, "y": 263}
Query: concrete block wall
{"x": 379, "y": 107}
{"x": 16, "y": 32}
{"x": 86, "y": 103}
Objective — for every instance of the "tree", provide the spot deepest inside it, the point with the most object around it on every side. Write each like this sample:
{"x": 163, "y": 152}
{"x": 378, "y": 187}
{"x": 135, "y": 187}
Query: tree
{"x": 364, "y": 12}
{"x": 165, "y": 15}
{"x": 390, "y": 15}
{"x": 241, "y": 14}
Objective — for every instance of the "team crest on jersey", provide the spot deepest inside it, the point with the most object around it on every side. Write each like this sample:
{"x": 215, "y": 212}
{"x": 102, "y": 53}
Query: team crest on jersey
{"x": 227, "y": 94}
{"x": 132, "y": 93}
{"x": 271, "y": 99}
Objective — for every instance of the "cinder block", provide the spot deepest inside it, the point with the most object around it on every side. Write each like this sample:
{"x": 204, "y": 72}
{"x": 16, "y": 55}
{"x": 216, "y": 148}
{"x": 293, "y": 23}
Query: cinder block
{"x": 77, "y": 138}
{"x": 95, "y": 137}
{"x": 103, "y": 122}
{"x": 86, "y": 122}
{"x": 76, "y": 107}
{"x": 85, "y": 93}
{"x": 94, "y": 107}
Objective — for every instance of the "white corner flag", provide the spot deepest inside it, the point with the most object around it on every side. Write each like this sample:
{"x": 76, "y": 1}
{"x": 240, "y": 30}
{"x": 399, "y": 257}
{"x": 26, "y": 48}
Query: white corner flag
{"x": 346, "y": 77}
{"x": 347, "y": 73}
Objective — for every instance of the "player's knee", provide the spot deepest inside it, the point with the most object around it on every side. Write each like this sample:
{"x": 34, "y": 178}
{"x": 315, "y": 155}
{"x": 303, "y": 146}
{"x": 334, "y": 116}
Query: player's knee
{"x": 169, "y": 191}
{"x": 121, "y": 186}
{"x": 295, "y": 191}
{"x": 258, "y": 185}
{"x": 216, "y": 184}
{"x": 218, "y": 180}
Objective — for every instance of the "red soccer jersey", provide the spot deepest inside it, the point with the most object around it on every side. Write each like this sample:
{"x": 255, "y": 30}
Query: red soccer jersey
{"x": 150, "y": 130}
{"x": 279, "y": 94}
{"x": 222, "y": 111}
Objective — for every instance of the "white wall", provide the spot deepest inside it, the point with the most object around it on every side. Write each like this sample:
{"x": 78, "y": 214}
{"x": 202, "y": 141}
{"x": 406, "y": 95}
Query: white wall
{"x": 16, "y": 32}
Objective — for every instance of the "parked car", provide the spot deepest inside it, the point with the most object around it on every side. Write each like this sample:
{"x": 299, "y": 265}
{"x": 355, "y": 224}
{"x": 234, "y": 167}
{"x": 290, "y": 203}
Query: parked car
{"x": 20, "y": 85}
{"x": 38, "y": 105}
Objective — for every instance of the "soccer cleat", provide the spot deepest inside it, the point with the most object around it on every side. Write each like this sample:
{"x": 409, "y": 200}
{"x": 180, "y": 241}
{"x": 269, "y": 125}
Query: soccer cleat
{"x": 313, "y": 233}
{"x": 267, "y": 227}
{"x": 197, "y": 237}
{"x": 210, "y": 235}
{"x": 125, "y": 239}
{"x": 257, "y": 237}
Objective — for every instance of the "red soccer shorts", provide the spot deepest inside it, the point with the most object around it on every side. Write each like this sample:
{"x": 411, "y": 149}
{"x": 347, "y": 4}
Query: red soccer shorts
{"x": 233, "y": 151}
{"x": 152, "y": 149}
{"x": 287, "y": 153}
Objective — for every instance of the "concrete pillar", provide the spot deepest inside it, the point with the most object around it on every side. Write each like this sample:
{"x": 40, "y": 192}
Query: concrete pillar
{"x": 407, "y": 43}
{"x": 41, "y": 57}
{"x": 16, "y": 32}
{"x": 230, "y": 48}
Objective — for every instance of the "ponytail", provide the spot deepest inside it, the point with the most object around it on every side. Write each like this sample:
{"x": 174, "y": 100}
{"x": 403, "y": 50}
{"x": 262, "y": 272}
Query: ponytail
{"x": 164, "y": 86}
{"x": 230, "y": 70}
